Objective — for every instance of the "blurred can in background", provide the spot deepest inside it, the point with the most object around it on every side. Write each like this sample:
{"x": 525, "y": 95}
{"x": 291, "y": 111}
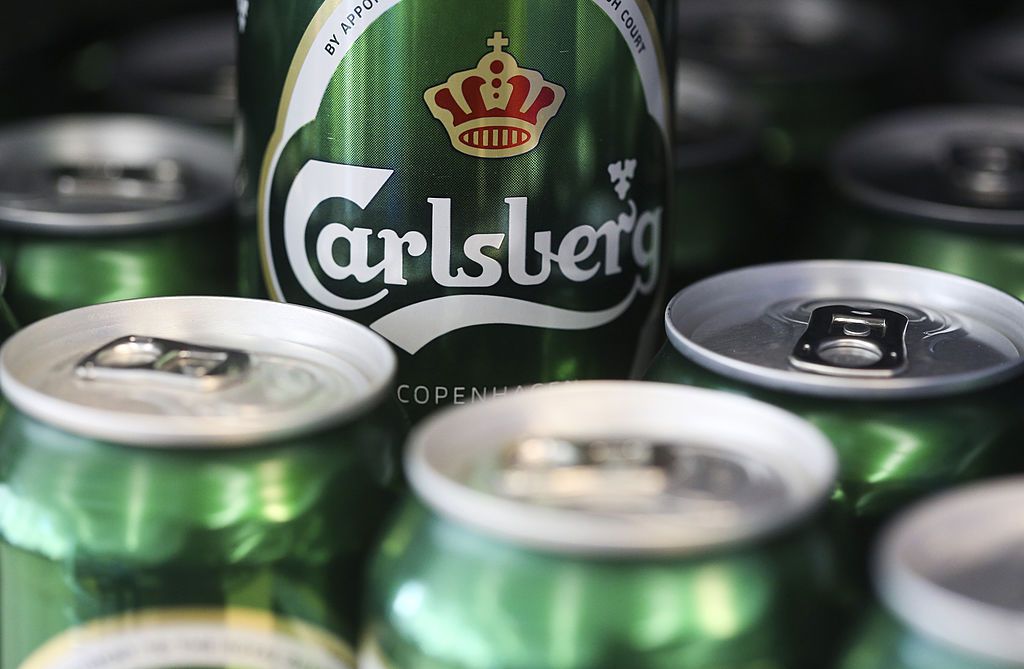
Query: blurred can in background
{"x": 719, "y": 221}
{"x": 948, "y": 576}
{"x": 182, "y": 68}
{"x": 907, "y": 370}
{"x": 102, "y": 208}
{"x": 814, "y": 65}
{"x": 941, "y": 188}
{"x": 607, "y": 524}
{"x": 989, "y": 66}
{"x": 190, "y": 482}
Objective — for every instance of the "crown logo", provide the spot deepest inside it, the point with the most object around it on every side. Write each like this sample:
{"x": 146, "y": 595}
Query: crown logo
{"x": 497, "y": 109}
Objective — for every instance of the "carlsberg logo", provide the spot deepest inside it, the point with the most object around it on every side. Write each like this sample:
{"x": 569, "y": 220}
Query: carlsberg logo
{"x": 580, "y": 254}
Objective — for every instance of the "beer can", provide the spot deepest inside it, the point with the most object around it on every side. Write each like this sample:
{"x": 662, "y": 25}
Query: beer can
{"x": 606, "y": 524}
{"x": 948, "y": 577}
{"x": 190, "y": 482}
{"x": 988, "y": 67}
{"x": 183, "y": 68}
{"x": 486, "y": 189}
{"x": 718, "y": 155}
{"x": 909, "y": 371}
{"x": 940, "y": 187}
{"x": 102, "y": 208}
{"x": 814, "y": 65}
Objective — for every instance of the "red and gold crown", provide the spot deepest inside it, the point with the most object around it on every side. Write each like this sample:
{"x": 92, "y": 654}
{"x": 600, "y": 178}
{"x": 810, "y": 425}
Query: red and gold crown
{"x": 497, "y": 109}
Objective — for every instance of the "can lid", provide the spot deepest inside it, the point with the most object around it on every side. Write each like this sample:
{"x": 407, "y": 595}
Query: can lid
{"x": 786, "y": 40}
{"x": 623, "y": 469}
{"x": 185, "y": 68}
{"x": 955, "y": 165}
{"x": 850, "y": 329}
{"x": 989, "y": 67}
{"x": 194, "y": 371}
{"x": 716, "y": 119}
{"x": 111, "y": 174}
{"x": 950, "y": 568}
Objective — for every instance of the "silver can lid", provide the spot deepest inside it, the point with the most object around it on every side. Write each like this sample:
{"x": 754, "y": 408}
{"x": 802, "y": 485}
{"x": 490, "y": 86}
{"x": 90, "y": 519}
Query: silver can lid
{"x": 950, "y": 568}
{"x": 850, "y": 329}
{"x": 786, "y": 40}
{"x": 185, "y": 69}
{"x": 989, "y": 67}
{"x": 954, "y": 165}
{"x": 617, "y": 468}
{"x": 194, "y": 371}
{"x": 716, "y": 120}
{"x": 111, "y": 174}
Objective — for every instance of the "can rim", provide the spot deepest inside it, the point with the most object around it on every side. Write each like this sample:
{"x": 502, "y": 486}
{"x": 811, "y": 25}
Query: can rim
{"x": 943, "y": 615}
{"x": 306, "y": 326}
{"x": 804, "y": 383}
{"x": 206, "y": 150}
{"x": 439, "y": 451}
{"x": 886, "y": 200}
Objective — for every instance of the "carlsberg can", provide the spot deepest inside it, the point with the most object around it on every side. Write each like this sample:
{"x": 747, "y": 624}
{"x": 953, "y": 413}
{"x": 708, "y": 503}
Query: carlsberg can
{"x": 483, "y": 189}
{"x": 603, "y": 525}
{"x": 912, "y": 373}
{"x": 190, "y": 482}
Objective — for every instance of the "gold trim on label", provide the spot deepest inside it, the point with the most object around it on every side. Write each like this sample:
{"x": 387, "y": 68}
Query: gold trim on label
{"x": 66, "y": 643}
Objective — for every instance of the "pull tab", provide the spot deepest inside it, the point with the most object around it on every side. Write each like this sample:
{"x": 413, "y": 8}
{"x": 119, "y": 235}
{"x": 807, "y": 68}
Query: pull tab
{"x": 843, "y": 341}
{"x": 989, "y": 172}
{"x": 136, "y": 358}
{"x": 161, "y": 181}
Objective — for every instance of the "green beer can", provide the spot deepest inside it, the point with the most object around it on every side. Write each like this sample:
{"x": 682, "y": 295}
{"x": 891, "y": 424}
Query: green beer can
{"x": 718, "y": 155}
{"x": 940, "y": 188}
{"x": 814, "y": 65}
{"x": 101, "y": 208}
{"x": 190, "y": 482}
{"x": 602, "y": 525}
{"x": 910, "y": 372}
{"x": 184, "y": 68}
{"x": 948, "y": 576}
{"x": 483, "y": 184}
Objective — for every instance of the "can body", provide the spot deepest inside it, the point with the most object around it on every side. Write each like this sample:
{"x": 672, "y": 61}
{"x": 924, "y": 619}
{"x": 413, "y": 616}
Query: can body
{"x": 890, "y": 452}
{"x": 992, "y": 257}
{"x": 50, "y": 273}
{"x": 496, "y": 185}
{"x": 715, "y": 230}
{"x": 562, "y": 612}
{"x": 120, "y": 543}
{"x": 882, "y": 641}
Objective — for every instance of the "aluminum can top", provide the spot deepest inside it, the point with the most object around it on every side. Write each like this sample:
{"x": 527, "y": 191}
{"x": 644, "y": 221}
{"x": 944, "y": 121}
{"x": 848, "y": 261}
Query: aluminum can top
{"x": 184, "y": 68}
{"x": 111, "y": 174}
{"x": 850, "y": 329}
{"x": 786, "y": 40}
{"x": 195, "y": 371}
{"x": 947, "y": 569}
{"x": 960, "y": 166}
{"x": 621, "y": 469}
{"x": 716, "y": 119}
{"x": 989, "y": 67}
